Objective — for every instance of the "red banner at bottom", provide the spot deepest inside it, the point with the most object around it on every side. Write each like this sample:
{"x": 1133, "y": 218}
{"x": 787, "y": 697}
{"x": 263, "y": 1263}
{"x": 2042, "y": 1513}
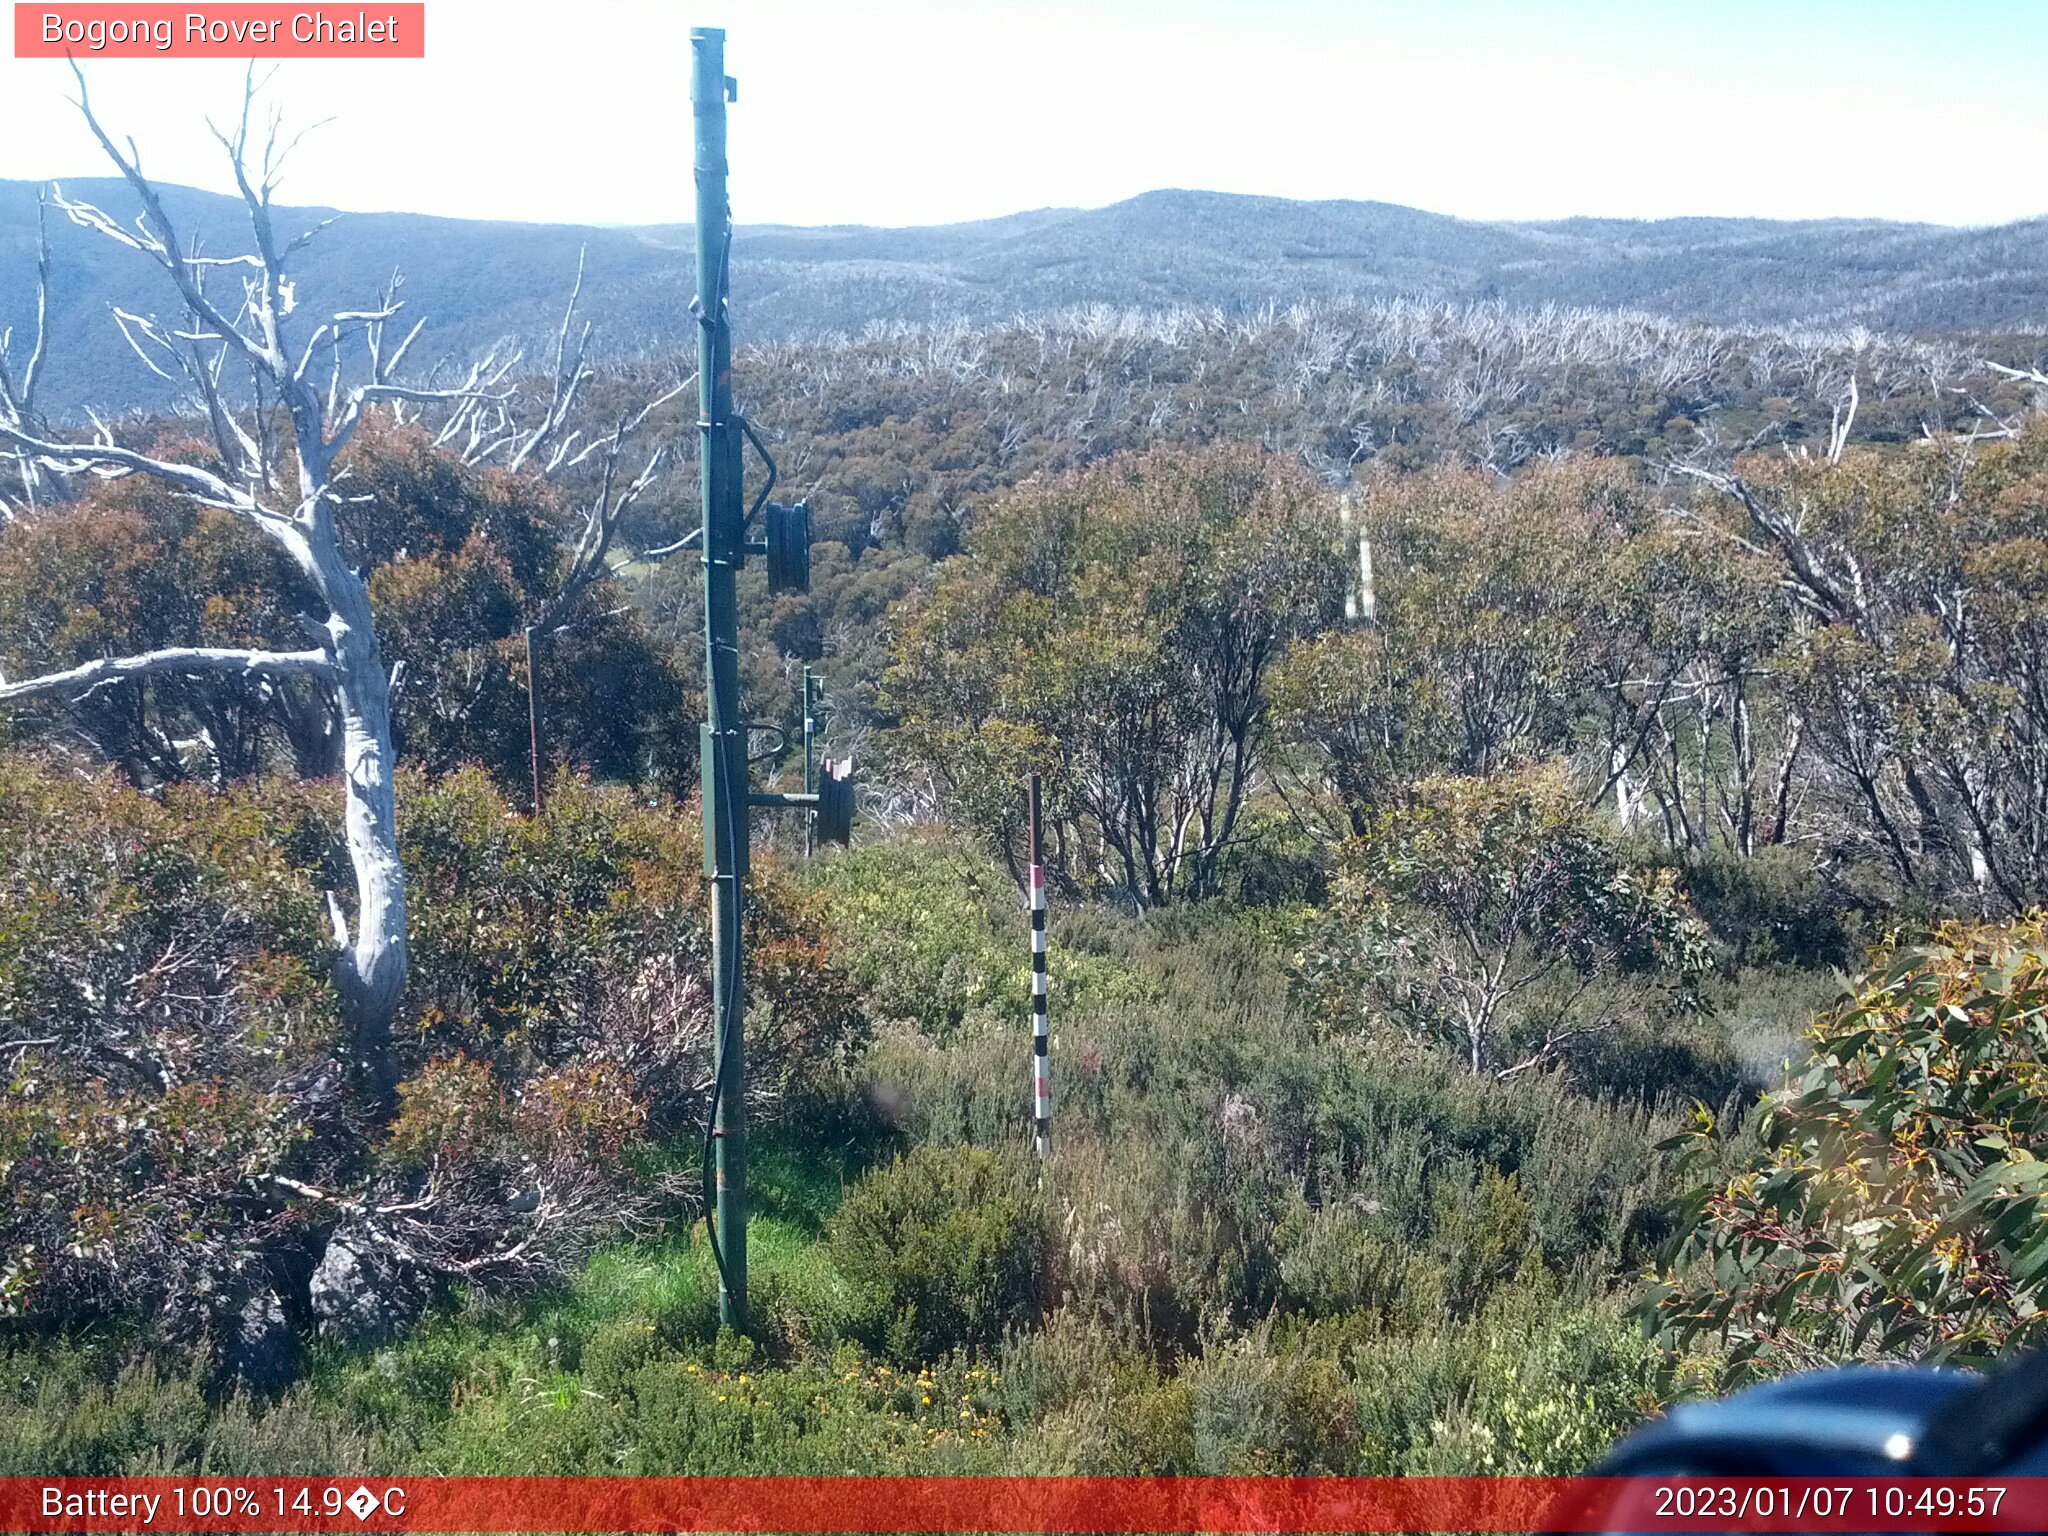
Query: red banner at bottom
{"x": 1021, "y": 1504}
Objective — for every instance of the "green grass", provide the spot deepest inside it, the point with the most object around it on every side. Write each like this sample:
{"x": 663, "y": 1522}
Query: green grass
{"x": 1374, "y": 1250}
{"x": 480, "y": 1376}
{"x": 801, "y": 1181}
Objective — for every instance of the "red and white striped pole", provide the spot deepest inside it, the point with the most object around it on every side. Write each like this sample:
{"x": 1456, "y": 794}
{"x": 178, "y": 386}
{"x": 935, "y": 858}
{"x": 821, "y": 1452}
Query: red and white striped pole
{"x": 1041, "y": 1039}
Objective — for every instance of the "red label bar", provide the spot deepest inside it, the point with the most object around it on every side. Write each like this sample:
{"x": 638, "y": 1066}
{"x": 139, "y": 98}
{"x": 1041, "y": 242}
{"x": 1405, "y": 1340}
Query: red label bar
{"x": 1021, "y": 1504}
{"x": 379, "y": 30}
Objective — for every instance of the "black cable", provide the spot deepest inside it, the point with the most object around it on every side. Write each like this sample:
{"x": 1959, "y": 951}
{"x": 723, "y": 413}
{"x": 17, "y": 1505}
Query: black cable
{"x": 761, "y": 498}
{"x": 703, "y": 310}
{"x": 722, "y": 1046}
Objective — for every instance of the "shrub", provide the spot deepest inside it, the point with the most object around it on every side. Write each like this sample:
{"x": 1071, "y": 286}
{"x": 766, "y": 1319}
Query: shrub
{"x": 1161, "y": 1237}
{"x": 1541, "y": 1384}
{"x": 1335, "y": 1264}
{"x": 1772, "y": 908}
{"x": 1116, "y": 628}
{"x": 457, "y": 558}
{"x": 173, "y": 1049}
{"x": 1484, "y": 1231}
{"x": 1766, "y": 1014}
{"x": 1263, "y": 1409}
{"x": 950, "y": 1246}
{"x": 183, "y": 1124}
{"x": 835, "y": 1416}
{"x": 539, "y": 941}
{"x": 917, "y": 915}
{"x": 559, "y": 1003}
{"x": 1275, "y": 861}
{"x": 1494, "y": 919}
{"x": 936, "y": 935}
{"x": 66, "y": 1411}
{"x": 1894, "y": 1208}
{"x": 109, "y": 1408}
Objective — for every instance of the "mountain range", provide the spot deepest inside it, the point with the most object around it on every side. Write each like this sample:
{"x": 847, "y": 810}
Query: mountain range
{"x": 477, "y": 281}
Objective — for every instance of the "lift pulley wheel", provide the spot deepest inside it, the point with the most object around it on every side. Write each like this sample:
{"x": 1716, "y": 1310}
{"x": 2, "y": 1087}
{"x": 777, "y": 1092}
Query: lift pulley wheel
{"x": 835, "y": 803}
{"x": 788, "y": 532}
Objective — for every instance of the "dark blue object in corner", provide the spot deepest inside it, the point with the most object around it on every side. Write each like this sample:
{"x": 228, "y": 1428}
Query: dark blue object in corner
{"x": 1858, "y": 1421}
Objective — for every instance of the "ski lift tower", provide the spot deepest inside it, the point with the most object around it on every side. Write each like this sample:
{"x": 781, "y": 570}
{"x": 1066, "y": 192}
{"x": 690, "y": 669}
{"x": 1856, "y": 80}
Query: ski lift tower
{"x": 725, "y": 541}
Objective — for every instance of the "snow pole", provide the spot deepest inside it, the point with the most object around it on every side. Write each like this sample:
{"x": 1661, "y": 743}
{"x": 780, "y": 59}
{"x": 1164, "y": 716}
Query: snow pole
{"x": 1041, "y": 1038}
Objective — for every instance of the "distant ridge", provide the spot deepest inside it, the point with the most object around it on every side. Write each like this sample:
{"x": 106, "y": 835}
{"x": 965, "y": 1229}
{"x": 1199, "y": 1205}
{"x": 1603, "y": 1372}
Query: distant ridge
{"x": 477, "y": 281}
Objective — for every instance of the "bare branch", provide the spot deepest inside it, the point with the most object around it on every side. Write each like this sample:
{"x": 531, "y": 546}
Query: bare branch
{"x": 368, "y": 392}
{"x": 602, "y": 513}
{"x": 663, "y": 551}
{"x": 2025, "y": 375}
{"x": 159, "y": 239}
{"x": 202, "y": 485}
{"x": 1844, "y": 420}
{"x": 370, "y": 971}
{"x": 21, "y": 400}
{"x": 300, "y": 241}
{"x": 18, "y": 398}
{"x": 132, "y": 326}
{"x": 80, "y": 680}
{"x": 382, "y": 368}
{"x": 567, "y": 378}
{"x": 1821, "y": 593}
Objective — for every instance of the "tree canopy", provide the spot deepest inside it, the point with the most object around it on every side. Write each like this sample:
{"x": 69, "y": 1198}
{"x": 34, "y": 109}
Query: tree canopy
{"x": 1116, "y": 629}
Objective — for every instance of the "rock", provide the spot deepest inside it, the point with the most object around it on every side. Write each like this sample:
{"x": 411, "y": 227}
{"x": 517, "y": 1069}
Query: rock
{"x": 1239, "y": 1119}
{"x": 262, "y": 1351}
{"x": 360, "y": 1294}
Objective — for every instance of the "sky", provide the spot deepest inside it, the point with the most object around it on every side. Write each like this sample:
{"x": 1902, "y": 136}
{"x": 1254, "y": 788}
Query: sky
{"x": 914, "y": 112}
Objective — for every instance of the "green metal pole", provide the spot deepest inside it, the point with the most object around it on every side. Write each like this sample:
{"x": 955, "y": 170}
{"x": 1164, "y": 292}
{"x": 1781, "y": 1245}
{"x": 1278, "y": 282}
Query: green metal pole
{"x": 724, "y": 737}
{"x": 810, "y": 781}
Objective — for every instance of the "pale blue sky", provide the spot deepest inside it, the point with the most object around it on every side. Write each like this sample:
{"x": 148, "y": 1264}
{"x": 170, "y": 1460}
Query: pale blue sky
{"x": 914, "y": 111}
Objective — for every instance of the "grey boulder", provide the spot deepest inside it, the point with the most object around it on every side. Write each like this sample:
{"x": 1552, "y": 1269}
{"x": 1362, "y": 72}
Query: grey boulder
{"x": 360, "y": 1293}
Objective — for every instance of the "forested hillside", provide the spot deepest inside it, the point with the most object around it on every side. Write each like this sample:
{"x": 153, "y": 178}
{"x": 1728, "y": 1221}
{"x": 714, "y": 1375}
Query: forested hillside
{"x": 1168, "y": 249}
{"x": 901, "y": 437}
{"x": 1546, "y": 810}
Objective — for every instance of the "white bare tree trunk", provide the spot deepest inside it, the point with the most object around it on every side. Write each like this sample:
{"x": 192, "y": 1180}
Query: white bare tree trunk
{"x": 371, "y": 971}
{"x": 370, "y": 966}
{"x": 370, "y": 962}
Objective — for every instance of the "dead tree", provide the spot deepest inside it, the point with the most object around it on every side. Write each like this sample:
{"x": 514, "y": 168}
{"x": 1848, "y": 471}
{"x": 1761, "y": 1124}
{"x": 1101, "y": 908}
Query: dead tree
{"x": 281, "y": 394}
{"x": 18, "y": 388}
{"x": 279, "y": 475}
